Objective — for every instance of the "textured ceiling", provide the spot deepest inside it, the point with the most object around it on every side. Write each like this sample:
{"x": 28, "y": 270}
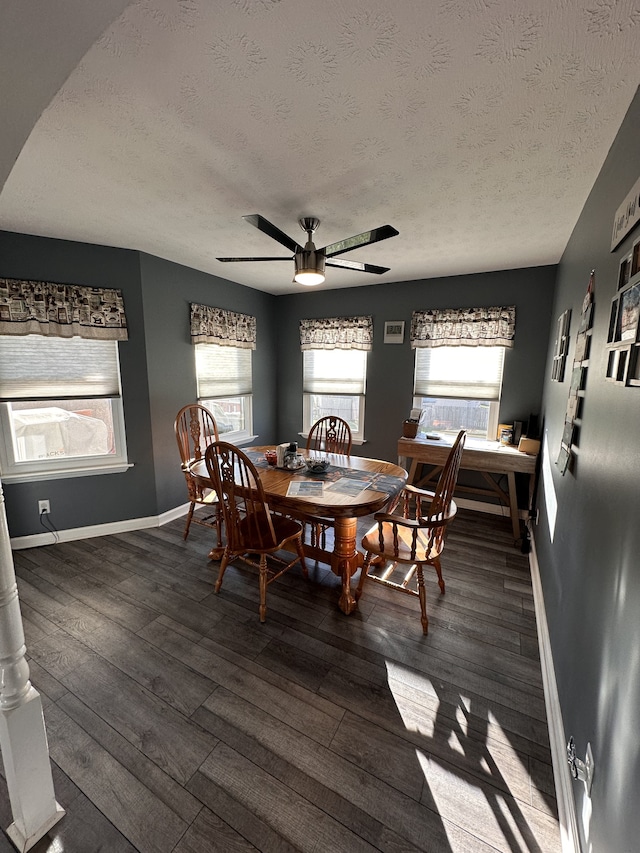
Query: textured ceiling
{"x": 474, "y": 127}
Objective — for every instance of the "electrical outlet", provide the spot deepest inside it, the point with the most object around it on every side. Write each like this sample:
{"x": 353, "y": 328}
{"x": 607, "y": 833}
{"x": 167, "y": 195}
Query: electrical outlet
{"x": 589, "y": 767}
{"x": 43, "y": 507}
{"x": 582, "y": 770}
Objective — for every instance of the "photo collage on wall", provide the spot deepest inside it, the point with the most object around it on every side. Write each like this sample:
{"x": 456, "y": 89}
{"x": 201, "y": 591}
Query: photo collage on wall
{"x": 623, "y": 339}
{"x": 578, "y": 378}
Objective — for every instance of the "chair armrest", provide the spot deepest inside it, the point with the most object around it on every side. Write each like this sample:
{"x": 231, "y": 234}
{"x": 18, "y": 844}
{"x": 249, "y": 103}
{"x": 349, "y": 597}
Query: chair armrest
{"x": 414, "y": 490}
{"x": 411, "y": 523}
{"x": 424, "y": 521}
{"x": 382, "y": 517}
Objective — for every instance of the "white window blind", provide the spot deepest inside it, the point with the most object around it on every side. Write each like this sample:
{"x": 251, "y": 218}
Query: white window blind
{"x": 35, "y": 367}
{"x": 222, "y": 371}
{"x": 334, "y": 371}
{"x": 467, "y": 372}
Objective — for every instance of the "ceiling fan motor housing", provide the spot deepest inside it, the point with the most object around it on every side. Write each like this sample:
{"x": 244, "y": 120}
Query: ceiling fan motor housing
{"x": 309, "y": 265}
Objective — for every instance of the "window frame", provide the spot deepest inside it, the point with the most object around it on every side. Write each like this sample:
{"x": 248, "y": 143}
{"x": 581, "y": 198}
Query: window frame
{"x": 16, "y": 471}
{"x": 357, "y": 436}
{"x": 236, "y": 436}
{"x": 494, "y": 405}
{"x": 492, "y": 421}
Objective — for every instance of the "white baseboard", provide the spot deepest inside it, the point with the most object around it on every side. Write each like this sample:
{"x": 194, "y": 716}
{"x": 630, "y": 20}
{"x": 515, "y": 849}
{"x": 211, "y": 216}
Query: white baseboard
{"x": 569, "y": 834}
{"x": 73, "y": 533}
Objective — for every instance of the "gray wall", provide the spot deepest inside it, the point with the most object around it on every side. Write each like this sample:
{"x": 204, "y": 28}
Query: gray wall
{"x": 157, "y": 370}
{"x": 157, "y": 364}
{"x": 390, "y": 366}
{"x": 590, "y": 571}
{"x": 83, "y": 501}
{"x": 167, "y": 291}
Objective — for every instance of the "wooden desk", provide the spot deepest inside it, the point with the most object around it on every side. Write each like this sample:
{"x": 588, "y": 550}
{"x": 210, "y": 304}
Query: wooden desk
{"x": 343, "y": 510}
{"x": 491, "y": 461}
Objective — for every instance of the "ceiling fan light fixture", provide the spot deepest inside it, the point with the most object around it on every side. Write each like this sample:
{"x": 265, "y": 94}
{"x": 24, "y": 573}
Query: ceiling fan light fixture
{"x": 310, "y": 262}
{"x": 309, "y": 267}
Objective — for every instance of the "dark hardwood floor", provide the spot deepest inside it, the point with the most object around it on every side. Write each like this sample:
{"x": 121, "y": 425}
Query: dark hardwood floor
{"x": 177, "y": 722}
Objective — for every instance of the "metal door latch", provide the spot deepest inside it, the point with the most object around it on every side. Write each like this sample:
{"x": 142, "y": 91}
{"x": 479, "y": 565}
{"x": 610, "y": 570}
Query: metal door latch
{"x": 582, "y": 770}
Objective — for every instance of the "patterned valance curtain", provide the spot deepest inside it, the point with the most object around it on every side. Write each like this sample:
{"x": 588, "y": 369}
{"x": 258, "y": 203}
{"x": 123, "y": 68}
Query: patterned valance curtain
{"x": 454, "y": 327}
{"x": 225, "y": 328}
{"x": 337, "y": 333}
{"x": 61, "y": 310}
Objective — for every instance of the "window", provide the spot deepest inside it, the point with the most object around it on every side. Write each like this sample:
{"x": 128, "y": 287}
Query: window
{"x": 223, "y": 375}
{"x": 61, "y": 412}
{"x": 334, "y": 384}
{"x": 459, "y": 387}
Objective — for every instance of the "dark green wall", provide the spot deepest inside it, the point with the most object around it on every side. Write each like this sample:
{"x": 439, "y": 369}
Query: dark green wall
{"x": 390, "y": 366}
{"x": 590, "y": 571}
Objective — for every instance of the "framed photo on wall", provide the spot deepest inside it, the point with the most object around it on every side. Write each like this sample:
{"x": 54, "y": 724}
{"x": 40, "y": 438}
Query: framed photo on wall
{"x": 394, "y": 331}
{"x": 629, "y": 313}
{"x": 561, "y": 346}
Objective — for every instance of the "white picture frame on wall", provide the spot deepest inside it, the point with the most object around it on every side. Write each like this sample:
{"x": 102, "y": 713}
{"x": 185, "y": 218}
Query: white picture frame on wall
{"x": 394, "y": 331}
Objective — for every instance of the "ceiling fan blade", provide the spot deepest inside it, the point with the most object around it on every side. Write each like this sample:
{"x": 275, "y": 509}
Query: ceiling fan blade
{"x": 269, "y": 228}
{"x": 364, "y": 239}
{"x": 230, "y": 260}
{"x": 356, "y": 265}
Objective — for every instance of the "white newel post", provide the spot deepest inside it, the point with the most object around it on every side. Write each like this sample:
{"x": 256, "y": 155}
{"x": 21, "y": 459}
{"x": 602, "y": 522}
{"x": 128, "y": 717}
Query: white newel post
{"x": 23, "y": 738}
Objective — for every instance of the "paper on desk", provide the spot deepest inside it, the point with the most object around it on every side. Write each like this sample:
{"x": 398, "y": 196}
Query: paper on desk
{"x": 302, "y": 488}
{"x": 349, "y": 486}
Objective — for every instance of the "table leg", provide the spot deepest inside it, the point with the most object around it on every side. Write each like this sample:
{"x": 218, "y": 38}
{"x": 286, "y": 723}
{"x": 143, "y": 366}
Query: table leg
{"x": 513, "y": 505}
{"x": 346, "y": 560}
{"x": 532, "y": 483}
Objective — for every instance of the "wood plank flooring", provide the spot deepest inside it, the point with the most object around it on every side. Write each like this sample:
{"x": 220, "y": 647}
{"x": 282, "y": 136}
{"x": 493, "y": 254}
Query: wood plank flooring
{"x": 177, "y": 722}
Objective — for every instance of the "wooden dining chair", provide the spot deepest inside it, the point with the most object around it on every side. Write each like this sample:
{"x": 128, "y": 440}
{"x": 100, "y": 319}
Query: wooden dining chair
{"x": 330, "y": 434}
{"x": 250, "y": 525}
{"x": 195, "y": 428}
{"x": 415, "y": 538}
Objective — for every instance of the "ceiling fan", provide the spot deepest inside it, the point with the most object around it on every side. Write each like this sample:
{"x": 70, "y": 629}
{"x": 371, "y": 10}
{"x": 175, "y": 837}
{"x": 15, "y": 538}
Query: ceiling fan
{"x": 309, "y": 261}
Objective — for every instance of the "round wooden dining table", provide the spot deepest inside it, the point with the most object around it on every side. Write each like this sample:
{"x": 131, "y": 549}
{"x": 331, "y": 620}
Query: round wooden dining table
{"x": 340, "y": 501}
